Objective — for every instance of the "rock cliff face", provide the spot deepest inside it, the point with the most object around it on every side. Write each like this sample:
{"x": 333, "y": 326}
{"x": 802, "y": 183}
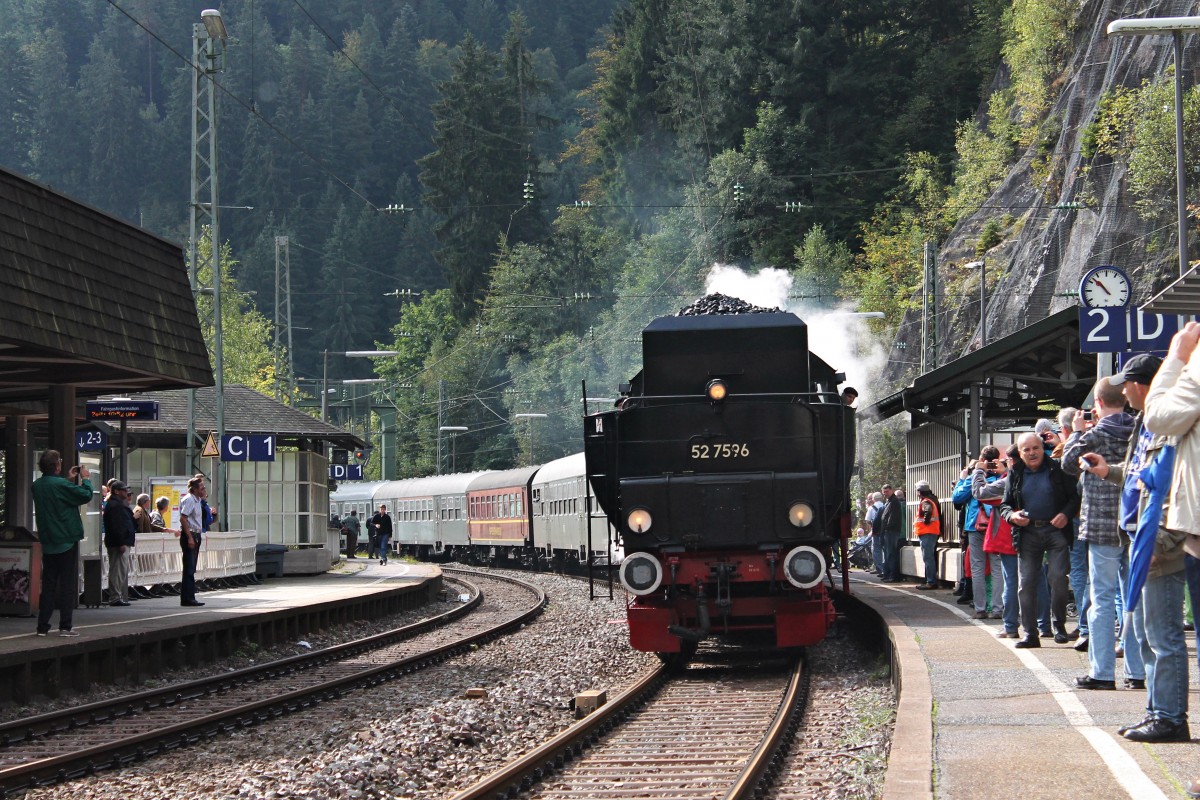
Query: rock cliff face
{"x": 1036, "y": 269}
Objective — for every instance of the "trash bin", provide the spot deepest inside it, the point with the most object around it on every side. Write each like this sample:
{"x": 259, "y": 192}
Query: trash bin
{"x": 20, "y": 571}
{"x": 93, "y": 581}
{"x": 268, "y": 560}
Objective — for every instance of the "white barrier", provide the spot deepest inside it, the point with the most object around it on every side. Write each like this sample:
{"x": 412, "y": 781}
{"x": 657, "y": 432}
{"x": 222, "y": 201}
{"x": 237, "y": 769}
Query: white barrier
{"x": 158, "y": 558}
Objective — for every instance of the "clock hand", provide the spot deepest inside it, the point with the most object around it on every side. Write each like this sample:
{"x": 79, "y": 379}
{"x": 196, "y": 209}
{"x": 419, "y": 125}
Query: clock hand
{"x": 1102, "y": 286}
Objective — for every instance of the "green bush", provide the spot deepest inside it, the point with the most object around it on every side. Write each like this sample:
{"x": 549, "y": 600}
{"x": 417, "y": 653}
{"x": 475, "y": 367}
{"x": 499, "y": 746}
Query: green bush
{"x": 989, "y": 237}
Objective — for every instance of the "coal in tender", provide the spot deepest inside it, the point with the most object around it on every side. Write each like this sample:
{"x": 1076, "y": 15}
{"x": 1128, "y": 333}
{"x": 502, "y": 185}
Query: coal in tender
{"x": 722, "y": 304}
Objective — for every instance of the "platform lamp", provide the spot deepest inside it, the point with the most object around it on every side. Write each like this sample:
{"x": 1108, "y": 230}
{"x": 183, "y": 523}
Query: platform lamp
{"x": 1176, "y": 26}
{"x": 347, "y": 354}
{"x": 530, "y": 418}
{"x": 454, "y": 431}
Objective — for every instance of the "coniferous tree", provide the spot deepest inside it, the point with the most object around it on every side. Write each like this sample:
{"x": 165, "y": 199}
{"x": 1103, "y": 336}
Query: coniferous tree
{"x": 474, "y": 179}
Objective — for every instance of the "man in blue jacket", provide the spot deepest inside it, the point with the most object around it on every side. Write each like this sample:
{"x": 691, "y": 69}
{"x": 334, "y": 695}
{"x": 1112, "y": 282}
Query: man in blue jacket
{"x": 56, "y": 502}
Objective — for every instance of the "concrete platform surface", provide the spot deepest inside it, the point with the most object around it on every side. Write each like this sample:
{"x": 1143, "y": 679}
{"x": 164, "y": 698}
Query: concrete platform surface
{"x": 1009, "y": 723}
{"x": 354, "y": 578}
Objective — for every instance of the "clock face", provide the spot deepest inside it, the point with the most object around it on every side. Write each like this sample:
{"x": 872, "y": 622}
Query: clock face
{"x": 1104, "y": 287}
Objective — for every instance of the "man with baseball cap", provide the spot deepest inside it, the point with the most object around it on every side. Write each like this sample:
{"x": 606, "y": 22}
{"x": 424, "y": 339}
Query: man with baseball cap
{"x": 1158, "y": 619}
{"x": 120, "y": 531}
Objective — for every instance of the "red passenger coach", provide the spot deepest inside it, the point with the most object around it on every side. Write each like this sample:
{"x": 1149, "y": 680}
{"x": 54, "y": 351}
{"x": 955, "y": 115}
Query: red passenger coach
{"x": 499, "y": 514}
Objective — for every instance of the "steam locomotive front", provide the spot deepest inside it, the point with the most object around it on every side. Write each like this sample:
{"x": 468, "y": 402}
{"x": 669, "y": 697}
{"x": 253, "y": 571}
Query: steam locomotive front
{"x": 724, "y": 471}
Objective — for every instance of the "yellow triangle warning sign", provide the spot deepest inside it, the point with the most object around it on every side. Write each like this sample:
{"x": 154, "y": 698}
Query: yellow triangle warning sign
{"x": 210, "y": 448}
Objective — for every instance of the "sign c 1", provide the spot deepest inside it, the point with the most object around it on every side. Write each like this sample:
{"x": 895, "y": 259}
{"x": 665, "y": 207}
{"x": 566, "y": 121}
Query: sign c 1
{"x": 248, "y": 447}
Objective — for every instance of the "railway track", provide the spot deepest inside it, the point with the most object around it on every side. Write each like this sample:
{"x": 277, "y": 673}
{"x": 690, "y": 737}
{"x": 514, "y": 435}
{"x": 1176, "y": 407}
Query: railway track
{"x": 63, "y": 745}
{"x": 712, "y": 732}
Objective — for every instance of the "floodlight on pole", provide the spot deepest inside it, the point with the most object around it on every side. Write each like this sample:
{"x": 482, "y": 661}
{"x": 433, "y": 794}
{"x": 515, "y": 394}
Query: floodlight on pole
{"x": 214, "y": 24}
{"x": 454, "y": 431}
{"x": 531, "y": 418}
{"x": 1176, "y": 26}
{"x": 347, "y": 354}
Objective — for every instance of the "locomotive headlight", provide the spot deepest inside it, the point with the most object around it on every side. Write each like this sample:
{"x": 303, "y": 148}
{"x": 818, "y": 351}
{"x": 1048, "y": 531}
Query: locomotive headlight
{"x": 639, "y": 520}
{"x": 716, "y": 390}
{"x": 800, "y": 514}
{"x": 641, "y": 573}
{"x": 804, "y": 567}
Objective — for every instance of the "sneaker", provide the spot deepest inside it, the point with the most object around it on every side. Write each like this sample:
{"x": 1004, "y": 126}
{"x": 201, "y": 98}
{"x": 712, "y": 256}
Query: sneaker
{"x": 979, "y": 615}
{"x": 1160, "y": 730}
{"x": 1008, "y": 635}
{"x": 965, "y": 600}
{"x": 68, "y": 633}
{"x": 995, "y": 615}
{"x": 1135, "y": 683}
{"x": 1081, "y": 646}
{"x": 43, "y": 633}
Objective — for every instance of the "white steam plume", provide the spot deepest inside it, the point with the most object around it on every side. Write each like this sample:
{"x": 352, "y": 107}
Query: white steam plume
{"x": 843, "y": 340}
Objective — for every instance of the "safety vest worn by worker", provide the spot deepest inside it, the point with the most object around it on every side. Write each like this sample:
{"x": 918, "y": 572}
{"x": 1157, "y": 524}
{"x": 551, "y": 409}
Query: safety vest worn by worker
{"x": 934, "y": 525}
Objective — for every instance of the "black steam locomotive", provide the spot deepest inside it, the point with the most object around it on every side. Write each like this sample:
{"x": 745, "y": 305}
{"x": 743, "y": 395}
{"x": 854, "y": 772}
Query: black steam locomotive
{"x": 724, "y": 470}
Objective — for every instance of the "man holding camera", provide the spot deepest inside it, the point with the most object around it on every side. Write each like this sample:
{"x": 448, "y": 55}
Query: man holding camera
{"x": 56, "y": 502}
{"x": 1106, "y": 433}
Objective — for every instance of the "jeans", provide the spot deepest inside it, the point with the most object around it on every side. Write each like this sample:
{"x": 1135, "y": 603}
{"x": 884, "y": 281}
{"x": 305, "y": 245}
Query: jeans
{"x": 1009, "y": 567}
{"x": 60, "y": 581}
{"x": 929, "y": 555}
{"x": 877, "y": 552}
{"x": 892, "y": 542}
{"x": 1043, "y": 601}
{"x": 383, "y": 547}
{"x": 1191, "y": 570}
{"x": 979, "y": 562}
{"x": 118, "y": 575}
{"x": 1079, "y": 583}
{"x": 1104, "y": 565}
{"x": 1158, "y": 626}
{"x": 187, "y": 586}
{"x": 1040, "y": 540}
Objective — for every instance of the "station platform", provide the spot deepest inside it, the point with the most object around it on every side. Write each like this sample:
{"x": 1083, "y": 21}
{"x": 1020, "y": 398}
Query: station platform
{"x": 131, "y": 643}
{"x": 978, "y": 718}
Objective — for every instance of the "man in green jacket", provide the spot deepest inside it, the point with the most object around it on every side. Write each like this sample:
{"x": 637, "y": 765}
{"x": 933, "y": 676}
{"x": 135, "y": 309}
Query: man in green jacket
{"x": 56, "y": 502}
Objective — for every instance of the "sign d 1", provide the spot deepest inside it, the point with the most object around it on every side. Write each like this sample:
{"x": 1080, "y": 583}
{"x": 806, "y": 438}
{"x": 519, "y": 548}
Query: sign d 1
{"x": 346, "y": 472}
{"x": 1120, "y": 330}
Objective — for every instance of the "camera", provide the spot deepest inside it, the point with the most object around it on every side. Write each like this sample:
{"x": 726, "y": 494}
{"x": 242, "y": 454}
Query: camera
{"x": 1087, "y": 415}
{"x": 991, "y": 464}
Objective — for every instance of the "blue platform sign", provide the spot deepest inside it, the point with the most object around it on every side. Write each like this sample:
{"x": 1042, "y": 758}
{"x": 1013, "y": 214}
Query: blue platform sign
{"x": 91, "y": 440}
{"x": 345, "y": 472}
{"x": 248, "y": 447}
{"x": 1126, "y": 330}
{"x": 117, "y": 410}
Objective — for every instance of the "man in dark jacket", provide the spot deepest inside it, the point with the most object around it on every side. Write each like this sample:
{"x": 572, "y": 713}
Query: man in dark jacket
{"x": 120, "y": 532}
{"x": 1039, "y": 501}
{"x": 890, "y": 523}
{"x": 381, "y": 523}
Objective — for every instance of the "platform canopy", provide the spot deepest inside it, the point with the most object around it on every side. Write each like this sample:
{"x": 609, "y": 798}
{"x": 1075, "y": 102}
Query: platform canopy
{"x": 90, "y": 302}
{"x": 1019, "y": 377}
{"x": 1182, "y": 296}
{"x": 246, "y": 412}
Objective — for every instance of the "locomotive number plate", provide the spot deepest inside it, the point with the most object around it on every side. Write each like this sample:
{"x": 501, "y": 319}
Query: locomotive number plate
{"x": 733, "y": 450}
